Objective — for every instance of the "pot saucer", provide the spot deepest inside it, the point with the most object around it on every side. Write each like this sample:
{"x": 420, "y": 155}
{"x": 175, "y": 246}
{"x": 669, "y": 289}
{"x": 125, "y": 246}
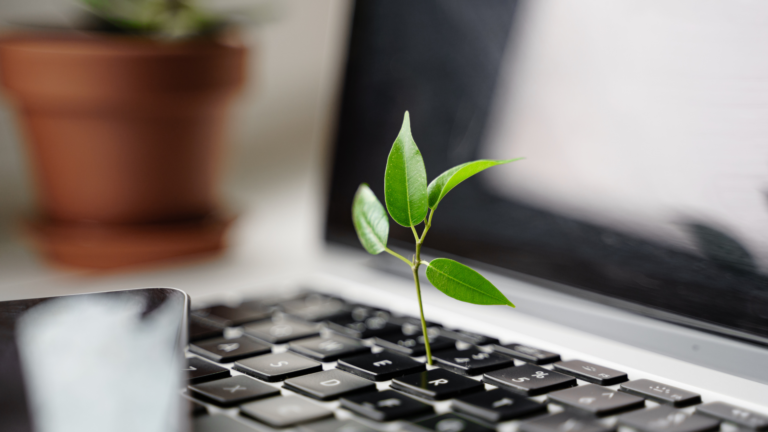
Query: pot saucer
{"x": 110, "y": 246}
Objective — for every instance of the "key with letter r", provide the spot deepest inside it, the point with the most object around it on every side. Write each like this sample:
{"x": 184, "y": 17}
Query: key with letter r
{"x": 436, "y": 384}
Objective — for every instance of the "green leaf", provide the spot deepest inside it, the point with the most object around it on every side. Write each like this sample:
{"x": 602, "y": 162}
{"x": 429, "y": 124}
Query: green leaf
{"x": 370, "y": 219}
{"x": 405, "y": 180}
{"x": 462, "y": 283}
{"x": 451, "y": 178}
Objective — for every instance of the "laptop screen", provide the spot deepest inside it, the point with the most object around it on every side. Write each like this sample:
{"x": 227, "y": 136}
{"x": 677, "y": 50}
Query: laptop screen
{"x": 627, "y": 194}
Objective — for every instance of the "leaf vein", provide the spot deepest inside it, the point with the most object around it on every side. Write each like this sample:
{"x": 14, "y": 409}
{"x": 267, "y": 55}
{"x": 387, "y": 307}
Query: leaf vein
{"x": 407, "y": 188}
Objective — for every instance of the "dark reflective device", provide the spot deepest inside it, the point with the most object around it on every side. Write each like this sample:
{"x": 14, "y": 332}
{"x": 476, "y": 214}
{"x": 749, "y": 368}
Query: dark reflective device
{"x": 14, "y": 405}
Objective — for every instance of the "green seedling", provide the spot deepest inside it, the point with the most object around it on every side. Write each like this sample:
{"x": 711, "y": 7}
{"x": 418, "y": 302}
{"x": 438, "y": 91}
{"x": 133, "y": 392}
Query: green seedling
{"x": 410, "y": 203}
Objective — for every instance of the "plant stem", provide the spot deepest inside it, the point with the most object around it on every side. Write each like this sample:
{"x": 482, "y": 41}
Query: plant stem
{"x": 421, "y": 311}
{"x": 415, "y": 234}
{"x": 427, "y": 226}
{"x": 415, "y": 268}
{"x": 397, "y": 255}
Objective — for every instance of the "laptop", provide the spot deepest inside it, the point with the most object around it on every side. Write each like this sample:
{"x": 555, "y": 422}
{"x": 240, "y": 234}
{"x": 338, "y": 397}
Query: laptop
{"x": 636, "y": 314}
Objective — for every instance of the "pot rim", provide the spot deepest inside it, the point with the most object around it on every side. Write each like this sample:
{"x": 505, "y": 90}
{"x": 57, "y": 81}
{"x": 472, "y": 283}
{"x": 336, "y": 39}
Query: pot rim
{"x": 114, "y": 45}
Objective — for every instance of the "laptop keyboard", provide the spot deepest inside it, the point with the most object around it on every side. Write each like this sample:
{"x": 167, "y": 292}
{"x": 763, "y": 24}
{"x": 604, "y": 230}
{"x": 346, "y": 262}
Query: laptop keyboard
{"x": 318, "y": 363}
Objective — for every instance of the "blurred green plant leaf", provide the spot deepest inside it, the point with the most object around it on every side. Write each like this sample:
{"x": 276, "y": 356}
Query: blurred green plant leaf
{"x": 451, "y": 178}
{"x": 370, "y": 219}
{"x": 405, "y": 179}
{"x": 462, "y": 283}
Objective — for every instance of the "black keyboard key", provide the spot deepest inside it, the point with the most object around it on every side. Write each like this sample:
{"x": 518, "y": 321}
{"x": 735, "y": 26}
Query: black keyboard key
{"x": 200, "y": 330}
{"x": 413, "y": 345}
{"x": 471, "y": 361}
{"x": 591, "y": 372}
{"x": 328, "y": 349}
{"x": 361, "y": 312}
{"x": 734, "y": 414}
{"x": 233, "y": 391}
{"x": 436, "y": 384}
{"x": 273, "y": 303}
{"x": 661, "y": 393}
{"x": 563, "y": 422}
{"x": 278, "y": 331}
{"x": 225, "y": 316}
{"x": 468, "y": 337}
{"x": 412, "y": 323}
{"x": 447, "y": 423}
{"x": 363, "y": 329}
{"x": 283, "y": 412}
{"x": 277, "y": 367}
{"x": 316, "y": 308}
{"x": 333, "y": 425}
{"x": 199, "y": 370}
{"x": 196, "y": 408}
{"x": 330, "y": 384}
{"x": 381, "y": 366}
{"x": 497, "y": 405}
{"x": 228, "y": 350}
{"x": 527, "y": 354}
{"x": 219, "y": 423}
{"x": 596, "y": 400}
{"x": 385, "y": 406}
{"x": 530, "y": 380}
{"x": 668, "y": 419}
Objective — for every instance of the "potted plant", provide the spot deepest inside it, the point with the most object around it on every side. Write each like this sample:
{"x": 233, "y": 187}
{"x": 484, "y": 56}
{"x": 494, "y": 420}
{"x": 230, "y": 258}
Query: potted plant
{"x": 124, "y": 124}
{"x": 412, "y": 202}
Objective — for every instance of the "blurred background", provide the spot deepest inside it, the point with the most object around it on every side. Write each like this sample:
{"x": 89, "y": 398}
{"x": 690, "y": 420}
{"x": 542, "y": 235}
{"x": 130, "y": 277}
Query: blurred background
{"x": 642, "y": 121}
{"x": 217, "y": 150}
{"x": 277, "y": 136}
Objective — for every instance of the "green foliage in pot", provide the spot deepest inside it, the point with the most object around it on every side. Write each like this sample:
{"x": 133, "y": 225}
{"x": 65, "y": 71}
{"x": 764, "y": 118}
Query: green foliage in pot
{"x": 411, "y": 202}
{"x": 169, "y": 19}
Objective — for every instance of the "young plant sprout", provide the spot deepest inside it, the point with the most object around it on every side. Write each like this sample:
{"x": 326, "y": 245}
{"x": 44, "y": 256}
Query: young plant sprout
{"x": 411, "y": 202}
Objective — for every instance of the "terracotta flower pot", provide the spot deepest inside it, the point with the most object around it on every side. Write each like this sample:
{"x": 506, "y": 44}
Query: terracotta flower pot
{"x": 122, "y": 132}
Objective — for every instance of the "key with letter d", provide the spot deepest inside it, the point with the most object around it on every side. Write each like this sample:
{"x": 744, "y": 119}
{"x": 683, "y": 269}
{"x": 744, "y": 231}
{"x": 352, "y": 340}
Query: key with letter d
{"x": 329, "y": 384}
